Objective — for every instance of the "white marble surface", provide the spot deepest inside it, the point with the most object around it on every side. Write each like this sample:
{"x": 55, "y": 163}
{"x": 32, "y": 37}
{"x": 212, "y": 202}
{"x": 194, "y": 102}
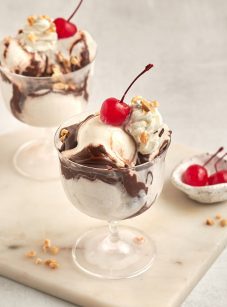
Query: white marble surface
{"x": 32, "y": 211}
{"x": 187, "y": 42}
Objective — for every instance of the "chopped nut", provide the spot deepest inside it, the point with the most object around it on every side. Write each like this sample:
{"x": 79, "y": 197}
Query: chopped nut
{"x": 155, "y": 104}
{"x": 223, "y": 222}
{"x": 46, "y": 245}
{"x": 60, "y": 57}
{"x": 74, "y": 60}
{"x": 45, "y": 17}
{"x": 30, "y": 254}
{"x": 51, "y": 263}
{"x": 54, "y": 250}
{"x": 63, "y": 134}
{"x": 72, "y": 87}
{"x": 60, "y": 86}
{"x": 31, "y": 36}
{"x": 218, "y": 216}
{"x": 210, "y": 222}
{"x": 52, "y": 28}
{"x": 38, "y": 261}
{"x": 31, "y": 20}
{"x": 138, "y": 240}
{"x": 144, "y": 137}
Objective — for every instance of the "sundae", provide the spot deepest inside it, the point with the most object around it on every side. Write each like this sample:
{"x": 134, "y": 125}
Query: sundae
{"x": 46, "y": 69}
{"x": 112, "y": 162}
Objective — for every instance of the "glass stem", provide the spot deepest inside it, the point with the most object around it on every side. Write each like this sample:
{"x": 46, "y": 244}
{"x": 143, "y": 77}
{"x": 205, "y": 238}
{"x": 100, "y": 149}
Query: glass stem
{"x": 114, "y": 234}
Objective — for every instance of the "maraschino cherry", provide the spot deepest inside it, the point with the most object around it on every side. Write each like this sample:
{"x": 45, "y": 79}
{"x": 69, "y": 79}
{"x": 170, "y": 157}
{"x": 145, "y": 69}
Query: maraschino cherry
{"x": 218, "y": 176}
{"x": 114, "y": 111}
{"x": 65, "y": 28}
{"x": 196, "y": 175}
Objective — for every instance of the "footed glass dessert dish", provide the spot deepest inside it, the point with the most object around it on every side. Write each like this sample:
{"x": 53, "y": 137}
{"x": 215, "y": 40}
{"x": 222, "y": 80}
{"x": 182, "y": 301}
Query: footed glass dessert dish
{"x": 108, "y": 193}
{"x": 45, "y": 77}
{"x": 43, "y": 102}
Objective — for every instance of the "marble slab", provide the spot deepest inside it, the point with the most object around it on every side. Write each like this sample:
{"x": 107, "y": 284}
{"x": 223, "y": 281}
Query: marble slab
{"x": 31, "y": 211}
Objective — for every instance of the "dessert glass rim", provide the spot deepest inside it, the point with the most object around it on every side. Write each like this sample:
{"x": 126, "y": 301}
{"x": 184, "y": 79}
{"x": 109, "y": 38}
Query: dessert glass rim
{"x": 7, "y": 71}
{"x": 89, "y": 168}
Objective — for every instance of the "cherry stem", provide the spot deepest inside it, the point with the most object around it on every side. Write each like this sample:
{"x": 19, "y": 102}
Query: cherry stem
{"x": 218, "y": 161}
{"x": 76, "y": 9}
{"x": 148, "y": 67}
{"x": 214, "y": 155}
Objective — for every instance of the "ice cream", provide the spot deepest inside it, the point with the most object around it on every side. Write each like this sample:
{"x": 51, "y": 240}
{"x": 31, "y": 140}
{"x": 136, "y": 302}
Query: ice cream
{"x": 55, "y": 67}
{"x": 115, "y": 172}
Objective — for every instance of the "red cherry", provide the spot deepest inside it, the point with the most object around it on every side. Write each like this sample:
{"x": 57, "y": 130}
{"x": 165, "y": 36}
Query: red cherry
{"x": 195, "y": 175}
{"x": 114, "y": 111}
{"x": 65, "y": 28}
{"x": 219, "y": 177}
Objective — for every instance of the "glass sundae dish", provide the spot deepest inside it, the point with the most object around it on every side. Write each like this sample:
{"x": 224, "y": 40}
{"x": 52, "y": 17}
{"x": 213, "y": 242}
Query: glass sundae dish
{"x": 112, "y": 168}
{"x": 45, "y": 78}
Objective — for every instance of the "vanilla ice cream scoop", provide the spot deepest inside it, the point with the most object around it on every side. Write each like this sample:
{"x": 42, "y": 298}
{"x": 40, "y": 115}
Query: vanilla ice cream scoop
{"x": 101, "y": 144}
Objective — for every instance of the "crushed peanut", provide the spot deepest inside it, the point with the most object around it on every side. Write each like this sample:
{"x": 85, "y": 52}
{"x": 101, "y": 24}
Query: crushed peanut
{"x": 144, "y": 137}
{"x": 31, "y": 20}
{"x": 223, "y": 222}
{"x": 63, "y": 134}
{"x": 54, "y": 250}
{"x": 38, "y": 261}
{"x": 31, "y": 36}
{"x": 218, "y": 216}
{"x": 74, "y": 60}
{"x": 30, "y": 254}
{"x": 138, "y": 240}
{"x": 46, "y": 245}
{"x": 209, "y": 222}
{"x": 51, "y": 263}
{"x": 60, "y": 86}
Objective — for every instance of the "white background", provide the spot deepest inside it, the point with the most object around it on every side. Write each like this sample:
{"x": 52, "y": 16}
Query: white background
{"x": 186, "y": 40}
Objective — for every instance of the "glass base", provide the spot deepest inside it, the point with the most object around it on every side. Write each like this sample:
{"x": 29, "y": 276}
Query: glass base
{"x": 37, "y": 159}
{"x": 97, "y": 253}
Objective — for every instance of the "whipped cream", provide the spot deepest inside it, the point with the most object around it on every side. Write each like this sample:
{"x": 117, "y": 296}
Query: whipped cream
{"x": 146, "y": 126}
{"x": 39, "y": 34}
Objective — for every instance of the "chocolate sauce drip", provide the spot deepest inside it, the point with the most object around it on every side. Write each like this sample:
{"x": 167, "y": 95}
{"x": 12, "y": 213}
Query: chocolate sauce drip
{"x": 145, "y": 207}
{"x": 161, "y": 132}
{"x": 105, "y": 166}
{"x": 17, "y": 100}
{"x": 33, "y": 70}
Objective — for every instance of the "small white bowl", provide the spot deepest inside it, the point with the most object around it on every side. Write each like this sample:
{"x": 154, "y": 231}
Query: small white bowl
{"x": 207, "y": 194}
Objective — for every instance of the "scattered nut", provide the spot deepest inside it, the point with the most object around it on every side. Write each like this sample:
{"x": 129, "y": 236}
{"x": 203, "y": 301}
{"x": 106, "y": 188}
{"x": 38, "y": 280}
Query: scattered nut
{"x": 155, "y": 104}
{"x": 138, "y": 240}
{"x": 51, "y": 263}
{"x": 223, "y": 222}
{"x": 46, "y": 245}
{"x": 144, "y": 137}
{"x": 74, "y": 60}
{"x": 218, "y": 216}
{"x": 209, "y": 222}
{"x": 31, "y": 20}
{"x": 63, "y": 134}
{"x": 60, "y": 86}
{"x": 54, "y": 250}
{"x": 31, "y": 36}
{"x": 30, "y": 254}
{"x": 38, "y": 261}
